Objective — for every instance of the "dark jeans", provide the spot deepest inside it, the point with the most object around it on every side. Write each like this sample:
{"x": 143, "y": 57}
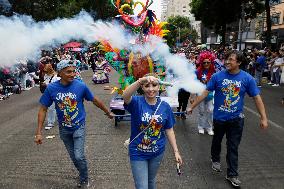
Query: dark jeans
{"x": 233, "y": 130}
{"x": 183, "y": 97}
{"x": 276, "y": 77}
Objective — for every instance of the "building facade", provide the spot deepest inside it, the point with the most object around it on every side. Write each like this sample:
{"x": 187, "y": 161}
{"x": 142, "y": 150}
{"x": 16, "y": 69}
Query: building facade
{"x": 180, "y": 8}
{"x": 277, "y": 24}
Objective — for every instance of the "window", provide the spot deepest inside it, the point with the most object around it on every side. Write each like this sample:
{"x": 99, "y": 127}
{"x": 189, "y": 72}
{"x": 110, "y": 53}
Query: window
{"x": 275, "y": 19}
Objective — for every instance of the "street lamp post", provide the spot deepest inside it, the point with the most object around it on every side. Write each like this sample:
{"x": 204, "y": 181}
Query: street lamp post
{"x": 240, "y": 28}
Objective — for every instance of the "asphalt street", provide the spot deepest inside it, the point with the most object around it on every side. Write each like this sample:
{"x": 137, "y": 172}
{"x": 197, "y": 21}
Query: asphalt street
{"x": 25, "y": 165}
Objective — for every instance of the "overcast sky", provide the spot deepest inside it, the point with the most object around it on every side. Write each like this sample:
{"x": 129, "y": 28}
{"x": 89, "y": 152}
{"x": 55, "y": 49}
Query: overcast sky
{"x": 156, "y": 6}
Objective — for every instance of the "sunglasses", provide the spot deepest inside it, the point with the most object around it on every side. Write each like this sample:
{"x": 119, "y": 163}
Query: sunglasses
{"x": 206, "y": 62}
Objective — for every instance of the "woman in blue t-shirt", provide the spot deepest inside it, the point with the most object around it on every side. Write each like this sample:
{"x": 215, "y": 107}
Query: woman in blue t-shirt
{"x": 151, "y": 120}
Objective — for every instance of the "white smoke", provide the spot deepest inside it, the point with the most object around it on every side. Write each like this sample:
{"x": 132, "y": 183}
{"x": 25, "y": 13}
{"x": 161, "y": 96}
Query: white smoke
{"x": 183, "y": 71}
{"x": 22, "y": 38}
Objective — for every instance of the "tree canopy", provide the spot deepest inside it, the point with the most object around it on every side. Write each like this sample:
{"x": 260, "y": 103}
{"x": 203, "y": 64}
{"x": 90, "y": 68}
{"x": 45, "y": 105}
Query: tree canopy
{"x": 218, "y": 13}
{"x": 43, "y": 10}
{"x": 180, "y": 30}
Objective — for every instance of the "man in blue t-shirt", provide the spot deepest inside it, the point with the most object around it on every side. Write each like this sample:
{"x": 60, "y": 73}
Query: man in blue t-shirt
{"x": 230, "y": 87}
{"x": 68, "y": 95}
{"x": 259, "y": 67}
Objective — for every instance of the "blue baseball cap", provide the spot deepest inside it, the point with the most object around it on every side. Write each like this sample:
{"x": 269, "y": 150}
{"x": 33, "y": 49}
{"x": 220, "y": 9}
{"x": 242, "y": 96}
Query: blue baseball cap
{"x": 64, "y": 64}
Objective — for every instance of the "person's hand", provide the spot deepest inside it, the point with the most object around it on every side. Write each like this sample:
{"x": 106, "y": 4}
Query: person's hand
{"x": 110, "y": 115}
{"x": 38, "y": 139}
{"x": 189, "y": 110}
{"x": 178, "y": 157}
{"x": 263, "y": 123}
{"x": 148, "y": 79}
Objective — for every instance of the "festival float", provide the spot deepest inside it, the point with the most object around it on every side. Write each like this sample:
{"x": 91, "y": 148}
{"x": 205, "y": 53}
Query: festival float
{"x": 132, "y": 65}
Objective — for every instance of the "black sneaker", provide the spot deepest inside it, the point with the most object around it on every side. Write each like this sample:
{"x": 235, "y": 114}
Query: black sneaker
{"x": 183, "y": 116}
{"x": 83, "y": 184}
{"x": 216, "y": 166}
{"x": 234, "y": 180}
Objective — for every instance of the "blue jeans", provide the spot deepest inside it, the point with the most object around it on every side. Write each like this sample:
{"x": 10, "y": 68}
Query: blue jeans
{"x": 258, "y": 76}
{"x": 51, "y": 114}
{"x": 276, "y": 76}
{"x": 233, "y": 130}
{"x": 74, "y": 142}
{"x": 144, "y": 172}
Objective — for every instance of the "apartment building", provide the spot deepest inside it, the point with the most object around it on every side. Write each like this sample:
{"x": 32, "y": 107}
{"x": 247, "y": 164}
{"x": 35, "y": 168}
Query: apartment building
{"x": 181, "y": 8}
{"x": 277, "y": 21}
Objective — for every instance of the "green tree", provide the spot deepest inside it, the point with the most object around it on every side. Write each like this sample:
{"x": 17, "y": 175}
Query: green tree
{"x": 42, "y": 10}
{"x": 180, "y": 30}
{"x": 219, "y": 13}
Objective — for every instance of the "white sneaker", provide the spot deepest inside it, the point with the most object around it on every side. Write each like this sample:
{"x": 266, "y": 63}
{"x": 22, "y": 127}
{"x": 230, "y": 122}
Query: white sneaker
{"x": 210, "y": 132}
{"x": 275, "y": 85}
{"x": 270, "y": 83}
{"x": 49, "y": 126}
{"x": 201, "y": 131}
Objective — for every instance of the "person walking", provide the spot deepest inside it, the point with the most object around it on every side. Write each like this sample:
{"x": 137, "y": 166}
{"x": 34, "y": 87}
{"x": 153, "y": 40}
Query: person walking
{"x": 151, "y": 120}
{"x": 259, "y": 67}
{"x": 183, "y": 97}
{"x": 68, "y": 95}
{"x": 204, "y": 73}
{"x": 276, "y": 69}
{"x": 230, "y": 87}
{"x": 50, "y": 76}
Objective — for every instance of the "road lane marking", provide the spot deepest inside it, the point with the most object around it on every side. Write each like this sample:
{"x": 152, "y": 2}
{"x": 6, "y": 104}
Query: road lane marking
{"x": 269, "y": 121}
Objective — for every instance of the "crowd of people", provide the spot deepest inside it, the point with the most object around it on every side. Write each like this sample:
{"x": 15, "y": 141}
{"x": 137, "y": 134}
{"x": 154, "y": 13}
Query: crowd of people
{"x": 266, "y": 66}
{"x": 26, "y": 74}
{"x": 228, "y": 76}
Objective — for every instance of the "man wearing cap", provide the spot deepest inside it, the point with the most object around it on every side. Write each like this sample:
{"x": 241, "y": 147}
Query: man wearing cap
{"x": 68, "y": 95}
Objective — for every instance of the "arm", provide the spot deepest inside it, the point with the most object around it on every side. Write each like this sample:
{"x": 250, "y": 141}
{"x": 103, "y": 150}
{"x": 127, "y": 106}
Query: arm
{"x": 130, "y": 90}
{"x": 41, "y": 117}
{"x": 97, "y": 102}
{"x": 172, "y": 140}
{"x": 261, "y": 109}
{"x": 198, "y": 100}
{"x": 192, "y": 97}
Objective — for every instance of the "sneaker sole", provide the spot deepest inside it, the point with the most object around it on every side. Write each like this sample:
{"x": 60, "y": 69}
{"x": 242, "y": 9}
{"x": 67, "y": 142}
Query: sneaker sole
{"x": 234, "y": 184}
{"x": 217, "y": 170}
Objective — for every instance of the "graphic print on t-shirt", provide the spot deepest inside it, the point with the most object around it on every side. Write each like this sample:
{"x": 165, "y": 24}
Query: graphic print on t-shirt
{"x": 151, "y": 134}
{"x": 68, "y": 105}
{"x": 231, "y": 90}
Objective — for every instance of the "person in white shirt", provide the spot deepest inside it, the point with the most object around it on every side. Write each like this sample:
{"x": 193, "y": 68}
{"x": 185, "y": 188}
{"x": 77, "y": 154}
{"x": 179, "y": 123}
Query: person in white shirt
{"x": 276, "y": 69}
{"x": 50, "y": 77}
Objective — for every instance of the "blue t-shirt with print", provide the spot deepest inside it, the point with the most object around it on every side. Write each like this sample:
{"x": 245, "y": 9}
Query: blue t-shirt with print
{"x": 230, "y": 91}
{"x": 203, "y": 79}
{"x": 68, "y": 102}
{"x": 152, "y": 141}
